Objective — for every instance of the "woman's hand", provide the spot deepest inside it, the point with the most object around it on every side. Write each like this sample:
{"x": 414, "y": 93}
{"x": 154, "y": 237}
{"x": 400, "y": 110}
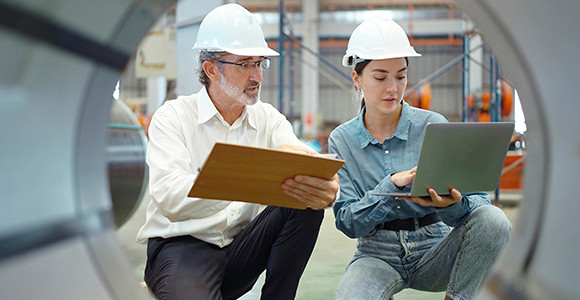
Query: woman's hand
{"x": 404, "y": 178}
{"x": 435, "y": 200}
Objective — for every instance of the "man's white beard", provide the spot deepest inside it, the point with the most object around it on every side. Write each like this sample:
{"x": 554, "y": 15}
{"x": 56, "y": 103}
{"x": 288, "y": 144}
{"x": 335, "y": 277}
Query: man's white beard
{"x": 238, "y": 93}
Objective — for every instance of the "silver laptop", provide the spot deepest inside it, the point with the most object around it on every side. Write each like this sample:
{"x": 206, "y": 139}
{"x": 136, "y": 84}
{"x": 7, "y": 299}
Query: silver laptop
{"x": 466, "y": 156}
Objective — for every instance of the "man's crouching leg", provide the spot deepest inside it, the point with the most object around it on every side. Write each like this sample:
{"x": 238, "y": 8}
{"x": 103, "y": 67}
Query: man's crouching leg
{"x": 280, "y": 240}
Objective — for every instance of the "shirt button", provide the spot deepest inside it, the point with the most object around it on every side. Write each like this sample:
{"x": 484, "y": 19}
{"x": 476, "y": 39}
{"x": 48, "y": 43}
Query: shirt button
{"x": 398, "y": 207}
{"x": 232, "y": 213}
{"x": 386, "y": 151}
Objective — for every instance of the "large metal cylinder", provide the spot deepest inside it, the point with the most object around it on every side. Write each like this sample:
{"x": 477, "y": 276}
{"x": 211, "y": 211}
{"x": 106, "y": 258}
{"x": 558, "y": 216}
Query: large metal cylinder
{"x": 59, "y": 62}
{"x": 126, "y": 144}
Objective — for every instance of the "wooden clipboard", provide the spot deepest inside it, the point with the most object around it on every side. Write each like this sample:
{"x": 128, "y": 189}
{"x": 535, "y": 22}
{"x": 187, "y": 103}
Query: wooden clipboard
{"x": 252, "y": 174}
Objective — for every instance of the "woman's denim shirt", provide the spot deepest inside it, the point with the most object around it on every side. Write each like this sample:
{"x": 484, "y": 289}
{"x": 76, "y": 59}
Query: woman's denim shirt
{"x": 367, "y": 169}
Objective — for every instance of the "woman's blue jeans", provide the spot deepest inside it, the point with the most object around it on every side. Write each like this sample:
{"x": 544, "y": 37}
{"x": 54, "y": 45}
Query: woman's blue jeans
{"x": 432, "y": 258}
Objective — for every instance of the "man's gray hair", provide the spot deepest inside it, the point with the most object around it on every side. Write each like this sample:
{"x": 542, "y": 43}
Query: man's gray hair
{"x": 207, "y": 56}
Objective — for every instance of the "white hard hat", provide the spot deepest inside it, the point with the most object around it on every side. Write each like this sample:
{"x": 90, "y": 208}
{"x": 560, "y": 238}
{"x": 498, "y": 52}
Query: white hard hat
{"x": 377, "y": 39}
{"x": 233, "y": 29}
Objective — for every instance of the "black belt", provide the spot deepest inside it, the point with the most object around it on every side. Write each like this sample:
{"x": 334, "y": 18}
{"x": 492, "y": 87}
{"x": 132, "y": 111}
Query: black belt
{"x": 409, "y": 224}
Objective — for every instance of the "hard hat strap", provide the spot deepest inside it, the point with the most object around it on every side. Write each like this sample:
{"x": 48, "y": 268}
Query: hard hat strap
{"x": 357, "y": 60}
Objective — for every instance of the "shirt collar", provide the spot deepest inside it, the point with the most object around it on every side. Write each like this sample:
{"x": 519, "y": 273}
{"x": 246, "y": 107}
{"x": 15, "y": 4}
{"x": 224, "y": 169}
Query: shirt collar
{"x": 250, "y": 116}
{"x": 402, "y": 131}
{"x": 365, "y": 137}
{"x": 207, "y": 110}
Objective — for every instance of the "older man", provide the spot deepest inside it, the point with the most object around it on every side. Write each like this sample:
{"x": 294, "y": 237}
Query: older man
{"x": 210, "y": 249}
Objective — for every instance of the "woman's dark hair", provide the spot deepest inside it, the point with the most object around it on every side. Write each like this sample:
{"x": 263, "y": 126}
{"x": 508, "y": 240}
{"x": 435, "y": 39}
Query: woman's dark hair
{"x": 358, "y": 68}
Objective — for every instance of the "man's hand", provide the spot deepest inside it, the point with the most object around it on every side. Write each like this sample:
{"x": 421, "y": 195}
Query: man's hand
{"x": 297, "y": 149}
{"x": 316, "y": 193}
{"x": 435, "y": 200}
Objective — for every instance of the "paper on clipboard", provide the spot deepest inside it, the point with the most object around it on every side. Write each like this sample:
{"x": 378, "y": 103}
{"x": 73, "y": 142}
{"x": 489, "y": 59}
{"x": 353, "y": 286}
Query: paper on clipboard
{"x": 252, "y": 174}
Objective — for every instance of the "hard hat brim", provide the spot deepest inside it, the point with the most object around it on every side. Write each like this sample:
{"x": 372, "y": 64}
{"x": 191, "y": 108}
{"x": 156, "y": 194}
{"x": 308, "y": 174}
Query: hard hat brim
{"x": 348, "y": 62}
{"x": 253, "y": 52}
{"x": 242, "y": 52}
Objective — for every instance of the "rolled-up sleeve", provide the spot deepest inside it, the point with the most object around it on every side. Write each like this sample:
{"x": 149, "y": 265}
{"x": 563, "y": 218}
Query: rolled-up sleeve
{"x": 357, "y": 213}
{"x": 454, "y": 214}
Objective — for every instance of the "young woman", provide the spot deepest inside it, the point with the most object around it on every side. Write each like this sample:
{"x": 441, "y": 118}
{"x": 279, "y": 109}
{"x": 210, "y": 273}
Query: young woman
{"x": 403, "y": 242}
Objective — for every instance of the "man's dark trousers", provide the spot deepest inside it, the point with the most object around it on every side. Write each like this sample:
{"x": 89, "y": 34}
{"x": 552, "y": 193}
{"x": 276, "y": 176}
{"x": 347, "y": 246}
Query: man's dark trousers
{"x": 279, "y": 240}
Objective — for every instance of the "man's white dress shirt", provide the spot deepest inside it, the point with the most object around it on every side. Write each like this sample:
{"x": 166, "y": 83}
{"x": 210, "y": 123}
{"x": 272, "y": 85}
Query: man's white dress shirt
{"x": 181, "y": 136}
